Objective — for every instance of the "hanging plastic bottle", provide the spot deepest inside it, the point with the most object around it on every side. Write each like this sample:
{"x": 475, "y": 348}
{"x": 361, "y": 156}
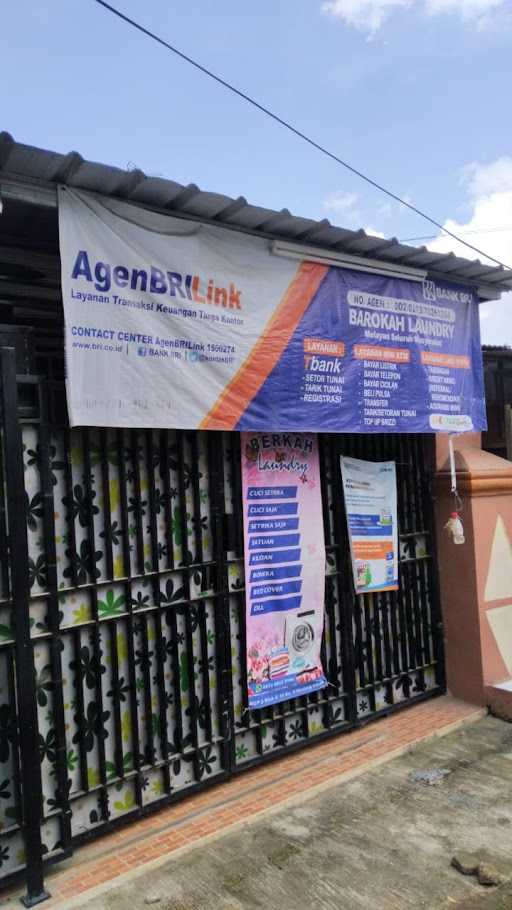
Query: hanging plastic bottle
{"x": 455, "y": 527}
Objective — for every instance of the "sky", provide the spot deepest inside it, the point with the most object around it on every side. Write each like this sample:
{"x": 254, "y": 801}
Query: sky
{"x": 414, "y": 93}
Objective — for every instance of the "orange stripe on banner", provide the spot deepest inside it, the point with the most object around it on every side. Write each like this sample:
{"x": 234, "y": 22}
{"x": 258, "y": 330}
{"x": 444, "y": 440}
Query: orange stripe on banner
{"x": 248, "y": 380}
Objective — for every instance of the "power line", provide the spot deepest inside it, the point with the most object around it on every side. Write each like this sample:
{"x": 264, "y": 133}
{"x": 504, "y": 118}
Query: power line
{"x": 495, "y": 230}
{"x": 291, "y": 128}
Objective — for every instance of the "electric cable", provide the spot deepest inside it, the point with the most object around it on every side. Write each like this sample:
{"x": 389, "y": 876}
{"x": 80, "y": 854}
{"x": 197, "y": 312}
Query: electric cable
{"x": 495, "y": 230}
{"x": 293, "y": 129}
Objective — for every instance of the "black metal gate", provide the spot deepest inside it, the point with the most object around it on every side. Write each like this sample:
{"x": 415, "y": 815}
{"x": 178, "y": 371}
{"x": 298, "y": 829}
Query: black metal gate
{"x": 122, "y": 635}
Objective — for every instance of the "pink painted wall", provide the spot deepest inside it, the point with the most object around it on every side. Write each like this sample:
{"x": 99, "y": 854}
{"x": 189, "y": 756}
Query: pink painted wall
{"x": 473, "y": 658}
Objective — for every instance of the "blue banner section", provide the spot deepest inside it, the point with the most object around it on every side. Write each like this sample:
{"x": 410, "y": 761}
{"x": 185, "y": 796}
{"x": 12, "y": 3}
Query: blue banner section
{"x": 272, "y": 542}
{"x": 275, "y": 572}
{"x": 285, "y": 508}
{"x": 373, "y": 354}
{"x": 263, "y": 493}
{"x": 368, "y": 526}
{"x": 275, "y": 606}
{"x": 271, "y": 691}
{"x": 276, "y": 589}
{"x": 275, "y": 524}
{"x": 277, "y": 556}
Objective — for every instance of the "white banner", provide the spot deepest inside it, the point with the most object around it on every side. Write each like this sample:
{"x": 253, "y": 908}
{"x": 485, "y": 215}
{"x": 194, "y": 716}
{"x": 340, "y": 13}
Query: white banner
{"x": 161, "y": 314}
{"x": 371, "y": 505}
{"x": 175, "y": 323}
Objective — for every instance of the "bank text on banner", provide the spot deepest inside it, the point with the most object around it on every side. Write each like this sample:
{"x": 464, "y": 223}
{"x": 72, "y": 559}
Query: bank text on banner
{"x": 173, "y": 323}
{"x": 284, "y": 566}
{"x": 370, "y": 495}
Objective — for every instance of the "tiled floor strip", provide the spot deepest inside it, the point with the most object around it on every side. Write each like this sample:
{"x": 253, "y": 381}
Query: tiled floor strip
{"x": 260, "y": 789}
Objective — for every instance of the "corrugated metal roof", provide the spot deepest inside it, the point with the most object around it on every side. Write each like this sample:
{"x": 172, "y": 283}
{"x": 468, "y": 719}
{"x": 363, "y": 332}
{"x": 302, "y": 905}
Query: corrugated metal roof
{"x": 25, "y": 163}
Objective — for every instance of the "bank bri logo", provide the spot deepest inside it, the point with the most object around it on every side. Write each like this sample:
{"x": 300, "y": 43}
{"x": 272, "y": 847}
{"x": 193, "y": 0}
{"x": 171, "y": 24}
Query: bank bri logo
{"x": 176, "y": 284}
{"x": 429, "y": 290}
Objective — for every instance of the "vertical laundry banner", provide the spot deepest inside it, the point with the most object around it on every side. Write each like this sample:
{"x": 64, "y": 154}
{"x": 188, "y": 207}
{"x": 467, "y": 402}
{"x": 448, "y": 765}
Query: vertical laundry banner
{"x": 370, "y": 495}
{"x": 284, "y": 565}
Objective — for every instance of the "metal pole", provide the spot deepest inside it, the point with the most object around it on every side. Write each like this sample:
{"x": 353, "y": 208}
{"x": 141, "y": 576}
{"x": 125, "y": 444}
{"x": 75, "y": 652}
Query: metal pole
{"x": 32, "y": 795}
{"x": 508, "y": 430}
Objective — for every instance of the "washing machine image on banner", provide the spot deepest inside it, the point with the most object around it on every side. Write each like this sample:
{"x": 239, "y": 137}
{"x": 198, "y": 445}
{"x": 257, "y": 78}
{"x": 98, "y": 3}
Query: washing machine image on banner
{"x": 300, "y": 641}
{"x": 284, "y": 566}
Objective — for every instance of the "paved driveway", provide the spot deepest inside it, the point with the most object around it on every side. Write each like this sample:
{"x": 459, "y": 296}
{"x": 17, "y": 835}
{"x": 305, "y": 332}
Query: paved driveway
{"x": 383, "y": 840}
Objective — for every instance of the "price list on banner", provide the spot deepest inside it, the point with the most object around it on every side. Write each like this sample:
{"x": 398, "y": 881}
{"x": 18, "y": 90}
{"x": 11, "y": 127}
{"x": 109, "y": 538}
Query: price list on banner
{"x": 284, "y": 566}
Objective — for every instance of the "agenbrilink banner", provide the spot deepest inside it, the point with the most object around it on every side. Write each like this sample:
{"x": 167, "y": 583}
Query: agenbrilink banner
{"x": 284, "y": 566}
{"x": 172, "y": 323}
{"x": 371, "y": 506}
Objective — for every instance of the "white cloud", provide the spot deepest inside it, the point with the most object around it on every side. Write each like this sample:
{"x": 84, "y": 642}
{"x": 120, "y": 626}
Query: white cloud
{"x": 373, "y": 232}
{"x": 489, "y": 228}
{"x": 340, "y": 203}
{"x": 476, "y": 10}
{"x": 485, "y": 179}
{"x": 369, "y": 15}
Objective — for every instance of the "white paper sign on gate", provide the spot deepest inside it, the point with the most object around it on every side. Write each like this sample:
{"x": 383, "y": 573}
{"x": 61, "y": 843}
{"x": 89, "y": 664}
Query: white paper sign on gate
{"x": 370, "y": 495}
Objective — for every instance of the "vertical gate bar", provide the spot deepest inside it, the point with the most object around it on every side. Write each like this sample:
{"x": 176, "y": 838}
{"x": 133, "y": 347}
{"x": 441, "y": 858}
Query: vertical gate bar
{"x": 32, "y": 791}
{"x": 196, "y": 496}
{"x": 107, "y": 508}
{"x": 346, "y": 604}
{"x": 236, "y": 468}
{"x": 333, "y": 670}
{"x": 80, "y": 712}
{"x": 4, "y": 563}
{"x": 145, "y": 665}
{"x": 378, "y": 600}
{"x": 257, "y": 716}
{"x": 368, "y": 648}
{"x": 217, "y": 497}
{"x": 146, "y": 449}
{"x": 410, "y": 595}
{"x": 436, "y": 618}
{"x": 201, "y": 614}
{"x": 389, "y": 652}
{"x": 170, "y": 616}
{"x": 189, "y": 641}
{"x": 246, "y": 716}
{"x": 123, "y": 501}
{"x": 205, "y": 577}
{"x": 329, "y": 583}
{"x": 136, "y": 500}
{"x": 75, "y": 634}
{"x": 165, "y": 474}
{"x": 361, "y": 658}
{"x": 53, "y": 620}
{"x": 333, "y": 663}
{"x": 68, "y": 477}
{"x": 116, "y": 700}
{"x": 152, "y": 461}
{"x": 393, "y": 601}
{"x": 421, "y": 567}
{"x": 11, "y": 688}
{"x": 96, "y": 635}
{"x": 105, "y": 449}
{"x": 402, "y": 594}
{"x": 125, "y": 524}
{"x": 142, "y": 627}
{"x": 413, "y": 566}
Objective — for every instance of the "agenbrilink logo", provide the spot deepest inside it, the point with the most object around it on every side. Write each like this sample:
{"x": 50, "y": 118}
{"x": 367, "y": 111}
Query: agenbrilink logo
{"x": 429, "y": 290}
